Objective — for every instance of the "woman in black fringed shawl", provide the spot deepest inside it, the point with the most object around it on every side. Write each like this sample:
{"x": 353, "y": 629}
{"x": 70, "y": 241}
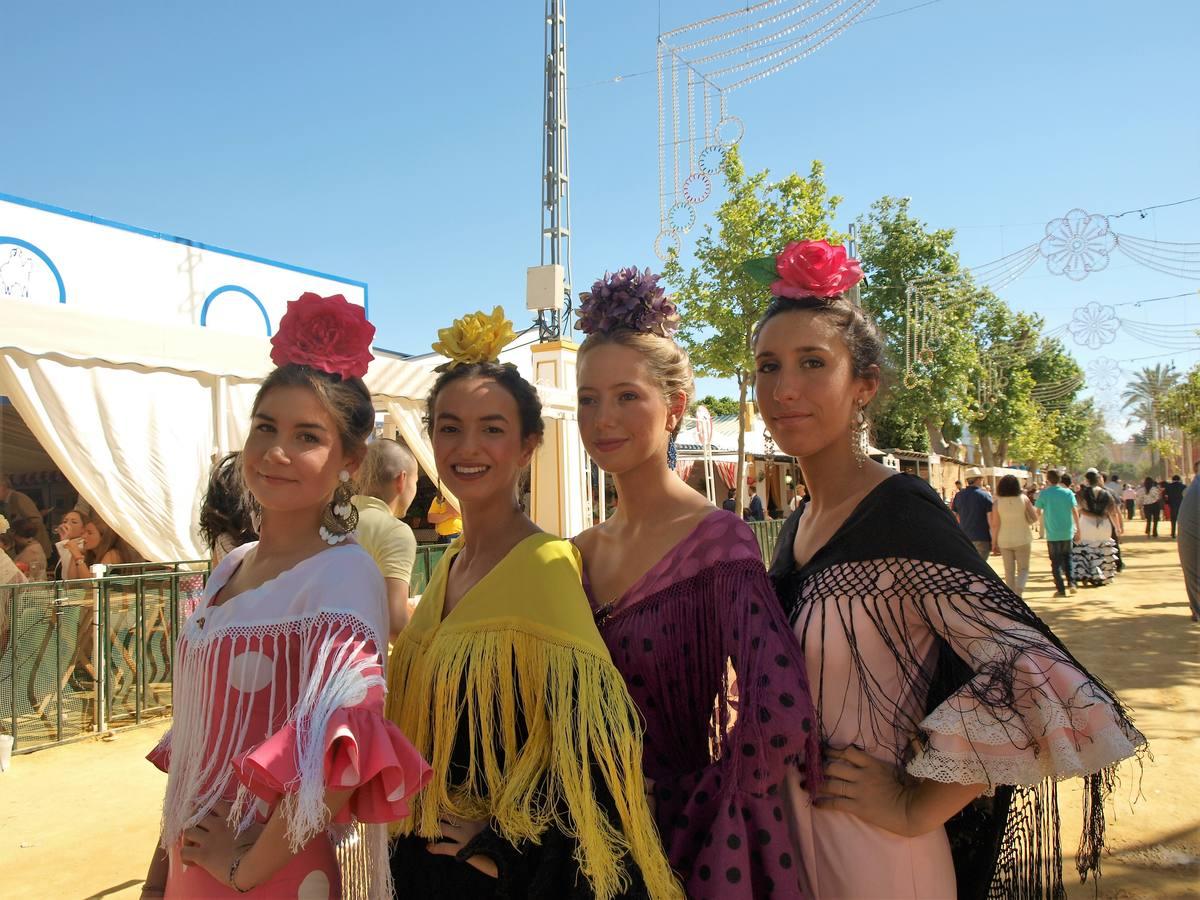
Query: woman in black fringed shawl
{"x": 948, "y": 709}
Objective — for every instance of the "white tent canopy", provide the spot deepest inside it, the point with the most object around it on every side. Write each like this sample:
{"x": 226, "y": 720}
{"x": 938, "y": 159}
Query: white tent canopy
{"x": 133, "y": 413}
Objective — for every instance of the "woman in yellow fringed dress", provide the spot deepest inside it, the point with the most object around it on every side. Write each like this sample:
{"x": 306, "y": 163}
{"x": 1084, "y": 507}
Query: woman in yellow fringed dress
{"x": 504, "y": 683}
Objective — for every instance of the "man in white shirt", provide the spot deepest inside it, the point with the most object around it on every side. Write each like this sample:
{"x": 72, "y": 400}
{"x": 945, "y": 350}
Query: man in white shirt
{"x": 1112, "y": 486}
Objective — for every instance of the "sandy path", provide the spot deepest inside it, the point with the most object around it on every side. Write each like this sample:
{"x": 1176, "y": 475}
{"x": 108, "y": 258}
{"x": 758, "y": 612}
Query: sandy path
{"x": 79, "y": 821}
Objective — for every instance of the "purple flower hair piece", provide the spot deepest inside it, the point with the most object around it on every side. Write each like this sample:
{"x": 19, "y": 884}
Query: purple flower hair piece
{"x": 628, "y": 299}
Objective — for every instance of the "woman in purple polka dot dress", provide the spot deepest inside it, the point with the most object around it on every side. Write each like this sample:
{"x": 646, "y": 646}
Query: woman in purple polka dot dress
{"x": 684, "y": 604}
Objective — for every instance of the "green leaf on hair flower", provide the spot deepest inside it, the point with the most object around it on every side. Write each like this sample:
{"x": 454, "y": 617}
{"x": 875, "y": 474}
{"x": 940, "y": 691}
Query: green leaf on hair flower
{"x": 761, "y": 269}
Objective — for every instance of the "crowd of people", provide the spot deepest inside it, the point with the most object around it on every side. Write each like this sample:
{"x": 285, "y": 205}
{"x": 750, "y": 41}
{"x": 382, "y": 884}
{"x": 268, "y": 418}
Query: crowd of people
{"x": 1082, "y": 522}
{"x": 84, "y": 539}
{"x": 643, "y": 710}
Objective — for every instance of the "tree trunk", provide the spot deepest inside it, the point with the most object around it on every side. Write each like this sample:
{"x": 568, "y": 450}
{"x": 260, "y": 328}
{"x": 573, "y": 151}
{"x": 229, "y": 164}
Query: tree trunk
{"x": 985, "y": 447}
{"x": 740, "y": 478}
{"x": 1154, "y": 455}
{"x": 1002, "y": 452}
{"x": 937, "y": 441}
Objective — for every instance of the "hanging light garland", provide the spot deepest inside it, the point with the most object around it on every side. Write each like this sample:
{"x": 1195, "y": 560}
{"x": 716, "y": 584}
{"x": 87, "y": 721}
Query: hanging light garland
{"x": 695, "y": 79}
{"x": 1074, "y": 245}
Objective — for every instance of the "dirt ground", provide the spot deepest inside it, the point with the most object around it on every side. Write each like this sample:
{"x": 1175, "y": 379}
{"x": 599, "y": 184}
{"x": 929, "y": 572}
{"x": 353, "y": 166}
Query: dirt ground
{"x": 79, "y": 821}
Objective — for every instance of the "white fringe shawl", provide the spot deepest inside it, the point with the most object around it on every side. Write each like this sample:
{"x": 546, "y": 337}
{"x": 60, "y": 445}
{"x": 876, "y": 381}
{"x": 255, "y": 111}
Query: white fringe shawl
{"x": 322, "y": 648}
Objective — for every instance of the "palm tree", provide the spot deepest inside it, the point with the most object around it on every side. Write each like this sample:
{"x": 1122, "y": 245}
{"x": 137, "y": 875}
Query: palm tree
{"x": 1143, "y": 396}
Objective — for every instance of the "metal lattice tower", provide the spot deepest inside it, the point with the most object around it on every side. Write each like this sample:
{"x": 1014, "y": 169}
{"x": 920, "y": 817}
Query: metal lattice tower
{"x": 556, "y": 195}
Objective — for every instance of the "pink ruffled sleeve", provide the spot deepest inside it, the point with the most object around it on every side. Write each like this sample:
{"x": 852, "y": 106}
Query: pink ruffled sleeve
{"x": 1030, "y": 712}
{"x": 160, "y": 756}
{"x": 336, "y": 739}
{"x": 362, "y": 751}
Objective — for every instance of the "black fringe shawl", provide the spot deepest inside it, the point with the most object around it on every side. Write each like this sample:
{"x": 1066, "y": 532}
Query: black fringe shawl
{"x": 1006, "y": 844}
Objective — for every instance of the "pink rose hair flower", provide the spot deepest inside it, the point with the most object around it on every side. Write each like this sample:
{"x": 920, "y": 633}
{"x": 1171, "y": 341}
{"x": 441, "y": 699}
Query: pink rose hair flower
{"x": 807, "y": 269}
{"x": 326, "y": 333}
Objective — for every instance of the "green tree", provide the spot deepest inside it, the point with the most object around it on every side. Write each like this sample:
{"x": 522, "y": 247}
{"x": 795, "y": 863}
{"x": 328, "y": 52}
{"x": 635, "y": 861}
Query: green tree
{"x": 718, "y": 302}
{"x": 1004, "y": 406}
{"x": 1182, "y": 403}
{"x": 1144, "y": 397}
{"x": 1081, "y": 436}
{"x": 1034, "y": 444}
{"x": 895, "y": 249}
{"x": 1044, "y": 434}
{"x": 718, "y": 406}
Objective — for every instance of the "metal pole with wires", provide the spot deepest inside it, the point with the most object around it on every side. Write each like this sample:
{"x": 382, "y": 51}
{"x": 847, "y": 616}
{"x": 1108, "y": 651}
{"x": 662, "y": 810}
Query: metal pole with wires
{"x": 549, "y": 286}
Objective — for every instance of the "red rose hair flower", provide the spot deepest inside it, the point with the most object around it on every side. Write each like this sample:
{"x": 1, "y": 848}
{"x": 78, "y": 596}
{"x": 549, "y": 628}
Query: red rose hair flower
{"x": 326, "y": 333}
{"x": 808, "y": 269}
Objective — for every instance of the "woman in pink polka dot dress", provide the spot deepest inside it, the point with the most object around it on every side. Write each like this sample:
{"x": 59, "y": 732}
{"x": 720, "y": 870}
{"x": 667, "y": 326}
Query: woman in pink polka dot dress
{"x": 282, "y": 769}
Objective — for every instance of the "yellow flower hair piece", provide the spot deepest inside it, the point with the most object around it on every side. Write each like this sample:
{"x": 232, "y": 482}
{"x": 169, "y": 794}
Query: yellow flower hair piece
{"x": 476, "y": 337}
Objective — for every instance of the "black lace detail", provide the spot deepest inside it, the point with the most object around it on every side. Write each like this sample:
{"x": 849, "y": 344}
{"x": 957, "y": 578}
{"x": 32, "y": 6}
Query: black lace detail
{"x": 900, "y": 575}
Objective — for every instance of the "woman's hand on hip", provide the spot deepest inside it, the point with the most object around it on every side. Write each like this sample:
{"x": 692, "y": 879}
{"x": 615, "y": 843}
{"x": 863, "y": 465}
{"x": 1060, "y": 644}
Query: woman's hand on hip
{"x": 875, "y": 791}
{"x": 213, "y": 845}
{"x": 456, "y": 834}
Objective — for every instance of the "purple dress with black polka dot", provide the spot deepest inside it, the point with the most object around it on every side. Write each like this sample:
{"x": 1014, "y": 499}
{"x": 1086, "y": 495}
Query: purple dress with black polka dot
{"x": 720, "y": 679}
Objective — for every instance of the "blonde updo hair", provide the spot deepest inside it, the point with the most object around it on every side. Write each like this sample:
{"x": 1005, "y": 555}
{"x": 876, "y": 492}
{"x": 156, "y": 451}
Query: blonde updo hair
{"x": 666, "y": 361}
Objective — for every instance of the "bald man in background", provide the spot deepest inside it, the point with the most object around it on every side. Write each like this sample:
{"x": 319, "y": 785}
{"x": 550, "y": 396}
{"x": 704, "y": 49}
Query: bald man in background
{"x": 387, "y": 480}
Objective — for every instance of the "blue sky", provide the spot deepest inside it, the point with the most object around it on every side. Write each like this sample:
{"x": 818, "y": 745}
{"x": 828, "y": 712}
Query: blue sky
{"x": 399, "y": 143}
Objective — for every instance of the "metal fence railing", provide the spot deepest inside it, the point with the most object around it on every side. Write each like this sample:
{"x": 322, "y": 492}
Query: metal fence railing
{"x": 427, "y": 559}
{"x": 767, "y": 534}
{"x": 84, "y": 656}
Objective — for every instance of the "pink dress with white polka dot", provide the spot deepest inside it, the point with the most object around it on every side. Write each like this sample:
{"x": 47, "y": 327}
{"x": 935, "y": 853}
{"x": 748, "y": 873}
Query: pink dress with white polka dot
{"x": 279, "y": 697}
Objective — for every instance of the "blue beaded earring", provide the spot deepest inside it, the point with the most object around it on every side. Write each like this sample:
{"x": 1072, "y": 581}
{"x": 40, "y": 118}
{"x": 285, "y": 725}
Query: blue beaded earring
{"x": 672, "y": 456}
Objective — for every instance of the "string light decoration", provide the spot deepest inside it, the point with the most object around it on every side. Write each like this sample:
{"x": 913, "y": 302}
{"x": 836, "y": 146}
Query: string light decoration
{"x": 699, "y": 65}
{"x": 1104, "y": 374}
{"x": 1074, "y": 245}
{"x": 1000, "y": 359}
{"x": 1094, "y": 325}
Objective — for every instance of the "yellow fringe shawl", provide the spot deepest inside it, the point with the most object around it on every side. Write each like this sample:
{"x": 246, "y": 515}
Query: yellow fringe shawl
{"x": 521, "y": 648}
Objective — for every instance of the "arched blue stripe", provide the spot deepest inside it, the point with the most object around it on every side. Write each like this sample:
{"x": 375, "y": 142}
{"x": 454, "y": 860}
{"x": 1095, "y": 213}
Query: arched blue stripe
{"x": 40, "y": 254}
{"x": 233, "y": 289}
{"x": 97, "y": 220}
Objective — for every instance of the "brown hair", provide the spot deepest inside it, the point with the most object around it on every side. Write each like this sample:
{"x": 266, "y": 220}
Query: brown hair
{"x": 110, "y": 542}
{"x": 26, "y": 529}
{"x": 1008, "y": 486}
{"x": 859, "y": 332}
{"x": 227, "y": 504}
{"x": 668, "y": 362}
{"x": 347, "y": 401}
{"x": 529, "y": 405}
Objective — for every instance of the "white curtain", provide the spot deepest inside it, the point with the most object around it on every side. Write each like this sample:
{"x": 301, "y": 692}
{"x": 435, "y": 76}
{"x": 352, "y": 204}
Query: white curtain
{"x": 134, "y": 414}
{"x": 137, "y": 445}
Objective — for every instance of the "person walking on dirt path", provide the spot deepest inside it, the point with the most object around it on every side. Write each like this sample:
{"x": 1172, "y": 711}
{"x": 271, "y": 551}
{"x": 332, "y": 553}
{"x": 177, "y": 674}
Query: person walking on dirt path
{"x": 1060, "y": 518}
{"x": 1151, "y": 506}
{"x": 972, "y": 506}
{"x": 1174, "y": 495}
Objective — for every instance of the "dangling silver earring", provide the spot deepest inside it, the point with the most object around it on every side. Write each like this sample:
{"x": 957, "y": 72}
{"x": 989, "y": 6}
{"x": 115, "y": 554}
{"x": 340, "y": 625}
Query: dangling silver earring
{"x": 858, "y": 438}
{"x": 340, "y": 518}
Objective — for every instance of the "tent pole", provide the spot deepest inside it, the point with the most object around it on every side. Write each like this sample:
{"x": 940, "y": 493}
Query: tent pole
{"x": 221, "y": 416}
